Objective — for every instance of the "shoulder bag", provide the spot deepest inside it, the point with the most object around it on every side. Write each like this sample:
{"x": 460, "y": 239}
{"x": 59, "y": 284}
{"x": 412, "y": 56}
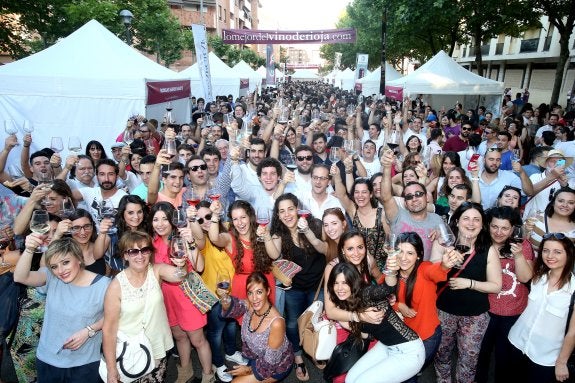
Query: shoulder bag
{"x": 344, "y": 356}
{"x": 197, "y": 292}
{"x": 318, "y": 337}
{"x": 134, "y": 357}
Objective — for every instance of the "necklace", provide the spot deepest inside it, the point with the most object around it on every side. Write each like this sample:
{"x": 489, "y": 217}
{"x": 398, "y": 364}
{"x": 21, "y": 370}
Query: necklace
{"x": 246, "y": 244}
{"x": 263, "y": 316}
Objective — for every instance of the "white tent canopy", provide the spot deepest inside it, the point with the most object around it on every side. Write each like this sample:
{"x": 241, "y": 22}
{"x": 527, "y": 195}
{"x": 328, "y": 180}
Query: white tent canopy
{"x": 245, "y": 71}
{"x": 278, "y": 74}
{"x": 305, "y": 75}
{"x": 345, "y": 79}
{"x": 370, "y": 83}
{"x": 225, "y": 80}
{"x": 85, "y": 85}
{"x": 446, "y": 82}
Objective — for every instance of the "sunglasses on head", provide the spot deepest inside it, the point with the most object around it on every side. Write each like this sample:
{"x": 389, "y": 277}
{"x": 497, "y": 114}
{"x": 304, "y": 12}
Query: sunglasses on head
{"x": 195, "y": 168}
{"x": 307, "y": 158}
{"x": 201, "y": 220}
{"x": 145, "y": 251}
{"x": 559, "y": 236}
{"x": 494, "y": 149}
{"x": 409, "y": 197}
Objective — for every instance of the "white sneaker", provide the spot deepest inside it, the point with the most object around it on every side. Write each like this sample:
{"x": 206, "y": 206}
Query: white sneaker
{"x": 223, "y": 375}
{"x": 237, "y": 358}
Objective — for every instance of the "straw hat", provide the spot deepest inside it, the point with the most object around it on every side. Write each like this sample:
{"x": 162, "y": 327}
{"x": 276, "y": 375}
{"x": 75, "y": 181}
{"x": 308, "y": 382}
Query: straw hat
{"x": 557, "y": 154}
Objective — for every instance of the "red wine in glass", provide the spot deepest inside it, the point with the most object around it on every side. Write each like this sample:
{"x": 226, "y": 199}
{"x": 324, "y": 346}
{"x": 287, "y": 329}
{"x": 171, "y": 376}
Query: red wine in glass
{"x": 291, "y": 167}
{"x": 215, "y": 197}
{"x": 303, "y": 213}
{"x": 193, "y": 202}
{"x": 263, "y": 221}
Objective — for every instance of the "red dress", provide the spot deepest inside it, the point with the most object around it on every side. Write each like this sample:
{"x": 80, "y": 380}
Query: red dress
{"x": 239, "y": 281}
{"x": 181, "y": 311}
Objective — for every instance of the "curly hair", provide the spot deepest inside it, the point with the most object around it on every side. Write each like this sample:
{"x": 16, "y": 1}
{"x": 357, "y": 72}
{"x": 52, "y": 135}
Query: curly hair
{"x": 279, "y": 229}
{"x": 262, "y": 261}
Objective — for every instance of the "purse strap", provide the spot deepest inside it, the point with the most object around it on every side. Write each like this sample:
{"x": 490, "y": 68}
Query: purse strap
{"x": 318, "y": 287}
{"x": 570, "y": 312}
{"x": 457, "y": 273}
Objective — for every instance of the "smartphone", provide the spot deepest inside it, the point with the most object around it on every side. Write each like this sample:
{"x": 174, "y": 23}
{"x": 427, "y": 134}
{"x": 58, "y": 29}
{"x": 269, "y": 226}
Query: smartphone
{"x": 474, "y": 158}
{"x": 560, "y": 162}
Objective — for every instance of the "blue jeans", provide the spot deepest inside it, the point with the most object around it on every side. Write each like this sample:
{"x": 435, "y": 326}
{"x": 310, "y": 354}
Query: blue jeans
{"x": 431, "y": 345}
{"x": 296, "y": 301}
{"x": 220, "y": 331}
{"x": 88, "y": 373}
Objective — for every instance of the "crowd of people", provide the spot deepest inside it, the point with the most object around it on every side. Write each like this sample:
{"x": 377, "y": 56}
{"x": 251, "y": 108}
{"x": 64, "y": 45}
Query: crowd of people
{"x": 427, "y": 231}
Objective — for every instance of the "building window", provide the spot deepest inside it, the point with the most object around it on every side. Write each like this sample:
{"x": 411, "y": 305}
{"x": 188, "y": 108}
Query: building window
{"x": 220, "y": 12}
{"x": 225, "y": 12}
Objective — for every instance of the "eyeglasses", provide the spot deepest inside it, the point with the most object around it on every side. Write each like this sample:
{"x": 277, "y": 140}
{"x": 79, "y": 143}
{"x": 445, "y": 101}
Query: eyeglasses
{"x": 77, "y": 229}
{"x": 318, "y": 178}
{"x": 409, "y": 197}
{"x": 195, "y": 168}
{"x": 559, "y": 236}
{"x": 486, "y": 132}
{"x": 468, "y": 129}
{"x": 307, "y": 158}
{"x": 145, "y": 251}
{"x": 208, "y": 217}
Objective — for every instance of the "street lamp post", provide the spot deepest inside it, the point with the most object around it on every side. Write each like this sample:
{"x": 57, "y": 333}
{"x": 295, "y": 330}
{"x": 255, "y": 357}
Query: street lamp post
{"x": 127, "y": 17}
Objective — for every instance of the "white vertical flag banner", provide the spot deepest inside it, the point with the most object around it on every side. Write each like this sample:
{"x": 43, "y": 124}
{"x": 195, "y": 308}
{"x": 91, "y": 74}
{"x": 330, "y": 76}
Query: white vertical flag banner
{"x": 361, "y": 65}
{"x": 201, "y": 45}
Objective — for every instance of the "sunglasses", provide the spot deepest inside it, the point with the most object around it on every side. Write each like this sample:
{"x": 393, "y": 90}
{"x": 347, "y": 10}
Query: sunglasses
{"x": 195, "y": 168}
{"x": 319, "y": 178}
{"x": 559, "y": 236}
{"x": 145, "y": 251}
{"x": 468, "y": 129}
{"x": 409, "y": 197}
{"x": 4, "y": 244}
{"x": 77, "y": 229}
{"x": 307, "y": 158}
{"x": 494, "y": 149}
{"x": 208, "y": 217}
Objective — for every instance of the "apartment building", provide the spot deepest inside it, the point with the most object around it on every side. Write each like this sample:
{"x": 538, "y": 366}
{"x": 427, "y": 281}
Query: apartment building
{"x": 528, "y": 61}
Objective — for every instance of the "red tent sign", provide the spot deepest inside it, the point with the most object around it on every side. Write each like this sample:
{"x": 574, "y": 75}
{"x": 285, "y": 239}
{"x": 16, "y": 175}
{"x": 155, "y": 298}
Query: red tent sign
{"x": 164, "y": 91}
{"x": 395, "y": 92}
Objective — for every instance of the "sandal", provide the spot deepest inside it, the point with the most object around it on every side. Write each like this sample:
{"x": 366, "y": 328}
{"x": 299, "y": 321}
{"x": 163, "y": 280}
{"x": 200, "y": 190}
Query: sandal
{"x": 301, "y": 374}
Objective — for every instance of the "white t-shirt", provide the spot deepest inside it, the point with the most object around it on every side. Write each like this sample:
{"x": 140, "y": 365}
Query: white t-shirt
{"x": 93, "y": 197}
{"x": 371, "y": 167}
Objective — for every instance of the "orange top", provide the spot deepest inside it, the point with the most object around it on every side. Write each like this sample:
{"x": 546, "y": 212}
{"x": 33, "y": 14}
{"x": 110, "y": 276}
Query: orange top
{"x": 423, "y": 298}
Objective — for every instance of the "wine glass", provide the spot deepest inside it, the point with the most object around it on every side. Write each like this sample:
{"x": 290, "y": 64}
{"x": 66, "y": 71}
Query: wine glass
{"x": 350, "y": 110}
{"x": 516, "y": 155}
{"x": 39, "y": 224}
{"x": 11, "y": 128}
{"x": 392, "y": 250}
{"x": 262, "y": 219}
{"x": 28, "y": 127}
{"x": 107, "y": 210}
{"x": 533, "y": 217}
{"x": 334, "y": 155}
{"x": 75, "y": 145}
{"x": 15, "y": 172}
{"x": 56, "y": 144}
{"x": 192, "y": 199}
{"x": 128, "y": 136}
{"x": 223, "y": 282}
{"x": 213, "y": 193}
{"x": 67, "y": 211}
{"x": 302, "y": 212}
{"x": 517, "y": 235}
{"x": 179, "y": 218}
{"x": 446, "y": 238}
{"x": 178, "y": 250}
{"x": 284, "y": 115}
{"x": 289, "y": 162}
{"x": 170, "y": 146}
{"x": 46, "y": 179}
{"x": 351, "y": 146}
{"x": 463, "y": 245}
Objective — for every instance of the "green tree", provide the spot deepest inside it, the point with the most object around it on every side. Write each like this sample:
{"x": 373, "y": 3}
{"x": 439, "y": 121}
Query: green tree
{"x": 561, "y": 14}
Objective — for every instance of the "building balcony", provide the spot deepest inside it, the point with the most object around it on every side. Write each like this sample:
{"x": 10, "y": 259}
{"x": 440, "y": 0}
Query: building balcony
{"x": 499, "y": 48}
{"x": 529, "y": 45}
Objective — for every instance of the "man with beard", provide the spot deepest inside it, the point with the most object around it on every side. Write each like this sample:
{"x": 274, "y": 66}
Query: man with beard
{"x": 319, "y": 144}
{"x": 107, "y": 174}
{"x": 303, "y": 161}
{"x": 415, "y": 216}
{"x": 320, "y": 199}
{"x": 492, "y": 180}
{"x": 459, "y": 142}
{"x": 247, "y": 172}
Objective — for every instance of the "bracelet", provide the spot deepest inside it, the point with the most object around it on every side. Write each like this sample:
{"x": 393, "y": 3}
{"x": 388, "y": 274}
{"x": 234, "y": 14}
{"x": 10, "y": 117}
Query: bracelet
{"x": 55, "y": 166}
{"x": 474, "y": 178}
{"x": 470, "y": 283}
{"x": 215, "y": 221}
{"x": 28, "y": 251}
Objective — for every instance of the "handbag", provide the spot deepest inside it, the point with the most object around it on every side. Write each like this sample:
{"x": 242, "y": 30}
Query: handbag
{"x": 197, "y": 292}
{"x": 284, "y": 270}
{"x": 571, "y": 360}
{"x": 134, "y": 357}
{"x": 318, "y": 337}
{"x": 344, "y": 356}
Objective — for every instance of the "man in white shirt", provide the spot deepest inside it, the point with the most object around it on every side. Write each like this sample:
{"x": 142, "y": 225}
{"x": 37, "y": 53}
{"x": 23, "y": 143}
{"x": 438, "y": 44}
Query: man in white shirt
{"x": 415, "y": 130}
{"x": 368, "y": 159}
{"x": 320, "y": 199}
{"x": 492, "y": 180}
{"x": 256, "y": 155}
{"x": 550, "y": 127}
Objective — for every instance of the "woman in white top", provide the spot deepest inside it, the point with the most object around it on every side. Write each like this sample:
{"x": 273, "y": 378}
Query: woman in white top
{"x": 540, "y": 354}
{"x": 135, "y": 298}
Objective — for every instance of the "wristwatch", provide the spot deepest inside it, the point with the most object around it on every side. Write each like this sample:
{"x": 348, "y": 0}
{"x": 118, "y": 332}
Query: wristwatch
{"x": 91, "y": 332}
